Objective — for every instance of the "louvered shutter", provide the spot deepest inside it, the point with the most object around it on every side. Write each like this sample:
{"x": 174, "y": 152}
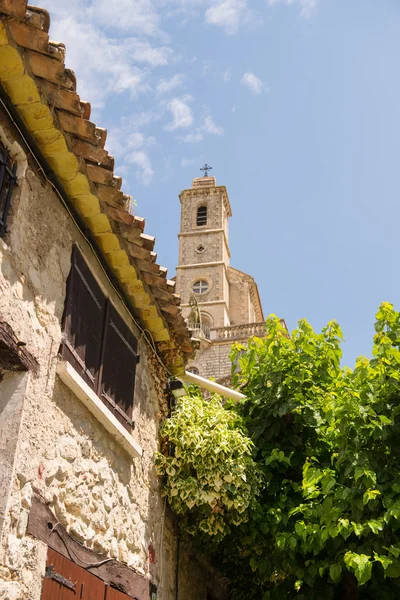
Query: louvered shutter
{"x": 118, "y": 367}
{"x": 83, "y": 321}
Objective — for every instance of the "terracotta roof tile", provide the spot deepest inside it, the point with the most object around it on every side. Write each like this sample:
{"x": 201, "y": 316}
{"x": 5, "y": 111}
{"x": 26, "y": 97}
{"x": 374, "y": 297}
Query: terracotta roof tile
{"x": 34, "y": 75}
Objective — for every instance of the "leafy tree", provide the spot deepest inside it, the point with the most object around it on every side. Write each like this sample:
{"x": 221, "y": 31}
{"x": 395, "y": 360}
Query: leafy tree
{"x": 325, "y": 521}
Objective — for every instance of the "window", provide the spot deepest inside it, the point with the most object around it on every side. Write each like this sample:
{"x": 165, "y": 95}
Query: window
{"x": 200, "y": 248}
{"x": 206, "y": 324}
{"x": 201, "y": 216}
{"x": 8, "y": 177}
{"x": 193, "y": 370}
{"x": 200, "y": 287}
{"x": 98, "y": 343}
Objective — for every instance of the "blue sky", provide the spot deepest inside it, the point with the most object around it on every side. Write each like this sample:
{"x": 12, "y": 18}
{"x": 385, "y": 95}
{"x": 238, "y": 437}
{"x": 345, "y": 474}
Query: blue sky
{"x": 294, "y": 103}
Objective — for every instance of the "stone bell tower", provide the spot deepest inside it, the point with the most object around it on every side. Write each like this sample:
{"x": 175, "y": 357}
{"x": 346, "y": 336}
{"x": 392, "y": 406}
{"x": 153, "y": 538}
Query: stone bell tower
{"x": 204, "y": 251}
{"x": 227, "y": 300}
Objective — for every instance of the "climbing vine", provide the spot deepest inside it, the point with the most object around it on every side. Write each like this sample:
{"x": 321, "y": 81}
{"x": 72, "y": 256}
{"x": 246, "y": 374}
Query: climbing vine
{"x": 325, "y": 453}
{"x": 211, "y": 476}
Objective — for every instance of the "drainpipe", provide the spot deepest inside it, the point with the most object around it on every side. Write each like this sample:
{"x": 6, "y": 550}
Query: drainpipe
{"x": 212, "y": 386}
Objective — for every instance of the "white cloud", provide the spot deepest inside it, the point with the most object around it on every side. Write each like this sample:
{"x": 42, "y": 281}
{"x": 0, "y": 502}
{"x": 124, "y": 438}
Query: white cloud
{"x": 142, "y": 161}
{"x": 142, "y": 51}
{"x": 226, "y": 75}
{"x": 105, "y": 61}
{"x": 113, "y": 70}
{"x": 228, "y": 14}
{"x": 211, "y": 127}
{"x": 128, "y": 15}
{"x": 182, "y": 115}
{"x": 194, "y": 137}
{"x": 131, "y": 147}
{"x": 122, "y": 139}
{"x": 208, "y": 127}
{"x": 165, "y": 86}
{"x": 307, "y": 6}
{"x": 253, "y": 82}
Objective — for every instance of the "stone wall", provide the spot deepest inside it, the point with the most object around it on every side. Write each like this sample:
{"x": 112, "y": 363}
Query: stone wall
{"x": 214, "y": 301}
{"x": 213, "y": 360}
{"x": 104, "y": 498}
{"x": 213, "y": 243}
{"x": 211, "y": 262}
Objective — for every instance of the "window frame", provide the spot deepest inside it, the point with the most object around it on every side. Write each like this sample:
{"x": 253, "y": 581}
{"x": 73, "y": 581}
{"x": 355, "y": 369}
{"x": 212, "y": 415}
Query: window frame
{"x": 93, "y": 371}
{"x": 201, "y": 216}
{"x": 200, "y": 282}
{"x": 8, "y": 180}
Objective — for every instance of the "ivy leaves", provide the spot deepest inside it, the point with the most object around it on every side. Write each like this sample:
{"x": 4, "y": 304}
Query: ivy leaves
{"x": 211, "y": 476}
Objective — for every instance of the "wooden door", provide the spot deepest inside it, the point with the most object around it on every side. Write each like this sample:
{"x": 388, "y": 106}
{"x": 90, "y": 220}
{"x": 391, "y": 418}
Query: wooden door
{"x": 66, "y": 581}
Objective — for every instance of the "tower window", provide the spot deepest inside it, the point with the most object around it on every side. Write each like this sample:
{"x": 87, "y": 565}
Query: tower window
{"x": 200, "y": 287}
{"x": 200, "y": 248}
{"x": 201, "y": 216}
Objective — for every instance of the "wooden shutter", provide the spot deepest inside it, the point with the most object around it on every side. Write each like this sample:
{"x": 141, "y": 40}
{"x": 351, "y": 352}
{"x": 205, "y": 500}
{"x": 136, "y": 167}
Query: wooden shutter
{"x": 118, "y": 367}
{"x": 65, "y": 580}
{"x": 83, "y": 321}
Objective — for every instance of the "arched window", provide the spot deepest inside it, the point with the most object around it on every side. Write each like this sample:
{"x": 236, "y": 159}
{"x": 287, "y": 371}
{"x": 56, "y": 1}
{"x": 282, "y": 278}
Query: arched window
{"x": 206, "y": 324}
{"x": 193, "y": 370}
{"x": 201, "y": 216}
{"x": 200, "y": 286}
{"x": 206, "y": 319}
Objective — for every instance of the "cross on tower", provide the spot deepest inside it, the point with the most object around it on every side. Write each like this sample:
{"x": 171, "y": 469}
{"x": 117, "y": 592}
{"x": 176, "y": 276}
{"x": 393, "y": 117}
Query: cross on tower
{"x": 206, "y": 168}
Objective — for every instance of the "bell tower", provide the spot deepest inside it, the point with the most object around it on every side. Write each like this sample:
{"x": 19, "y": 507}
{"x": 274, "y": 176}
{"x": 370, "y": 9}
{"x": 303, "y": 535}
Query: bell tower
{"x": 204, "y": 251}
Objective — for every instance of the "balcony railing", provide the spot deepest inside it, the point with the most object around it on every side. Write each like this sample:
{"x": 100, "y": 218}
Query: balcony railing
{"x": 200, "y": 330}
{"x": 238, "y": 332}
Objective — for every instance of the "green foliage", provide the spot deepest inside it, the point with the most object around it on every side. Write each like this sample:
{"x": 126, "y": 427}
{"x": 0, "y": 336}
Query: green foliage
{"x": 326, "y": 442}
{"x": 212, "y": 478}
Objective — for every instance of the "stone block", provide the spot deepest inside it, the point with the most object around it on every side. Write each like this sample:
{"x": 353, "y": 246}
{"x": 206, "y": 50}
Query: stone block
{"x": 99, "y": 174}
{"x": 14, "y": 8}
{"x": 28, "y": 37}
{"x": 62, "y": 98}
{"x": 93, "y": 153}
{"x": 50, "y": 69}
{"x": 77, "y": 125}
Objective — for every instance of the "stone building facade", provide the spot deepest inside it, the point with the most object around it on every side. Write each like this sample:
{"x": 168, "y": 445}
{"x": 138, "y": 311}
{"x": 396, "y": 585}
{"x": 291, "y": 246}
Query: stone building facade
{"x": 79, "y": 495}
{"x": 226, "y": 299}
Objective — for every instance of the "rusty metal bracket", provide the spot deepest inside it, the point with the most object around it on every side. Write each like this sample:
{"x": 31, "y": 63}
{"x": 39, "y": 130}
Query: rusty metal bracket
{"x": 51, "y": 574}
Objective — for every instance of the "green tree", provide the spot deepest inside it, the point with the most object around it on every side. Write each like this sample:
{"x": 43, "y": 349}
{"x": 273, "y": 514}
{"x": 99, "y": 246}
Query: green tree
{"x": 324, "y": 522}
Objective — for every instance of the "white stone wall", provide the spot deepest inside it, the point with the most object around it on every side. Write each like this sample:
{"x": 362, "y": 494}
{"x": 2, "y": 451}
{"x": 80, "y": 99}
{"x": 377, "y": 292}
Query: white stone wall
{"x": 103, "y": 497}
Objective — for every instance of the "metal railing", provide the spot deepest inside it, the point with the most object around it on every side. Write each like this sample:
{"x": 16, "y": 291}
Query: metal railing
{"x": 200, "y": 330}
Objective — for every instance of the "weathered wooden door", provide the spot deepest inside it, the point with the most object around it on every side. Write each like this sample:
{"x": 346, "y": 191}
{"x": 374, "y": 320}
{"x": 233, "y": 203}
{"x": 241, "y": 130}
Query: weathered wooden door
{"x": 66, "y": 581}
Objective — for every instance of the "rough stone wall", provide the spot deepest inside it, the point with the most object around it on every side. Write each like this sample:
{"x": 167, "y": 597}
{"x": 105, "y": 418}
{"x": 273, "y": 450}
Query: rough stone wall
{"x": 214, "y": 243}
{"x": 210, "y": 301}
{"x": 210, "y": 197}
{"x": 12, "y": 393}
{"x": 103, "y": 497}
{"x": 239, "y": 307}
{"x": 216, "y": 301}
